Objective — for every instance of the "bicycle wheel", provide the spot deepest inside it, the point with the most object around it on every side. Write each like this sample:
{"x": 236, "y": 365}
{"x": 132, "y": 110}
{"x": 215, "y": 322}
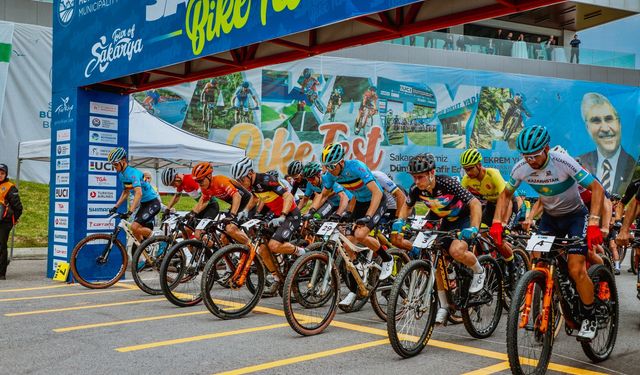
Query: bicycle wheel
{"x": 528, "y": 349}
{"x": 180, "y": 273}
{"x": 319, "y": 290}
{"x": 607, "y": 310}
{"x": 482, "y": 319}
{"x": 521, "y": 264}
{"x": 221, "y": 295}
{"x": 91, "y": 269}
{"x": 380, "y": 296}
{"x": 346, "y": 286}
{"x": 146, "y": 262}
{"x": 413, "y": 302}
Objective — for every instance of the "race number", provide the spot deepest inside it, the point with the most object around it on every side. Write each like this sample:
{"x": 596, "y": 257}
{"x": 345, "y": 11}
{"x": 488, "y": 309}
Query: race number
{"x": 418, "y": 222}
{"x": 250, "y": 224}
{"x": 424, "y": 241}
{"x": 327, "y": 228}
{"x": 540, "y": 243}
{"x": 203, "y": 224}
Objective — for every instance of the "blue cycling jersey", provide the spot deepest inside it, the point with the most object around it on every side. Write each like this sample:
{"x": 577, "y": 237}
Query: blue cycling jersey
{"x": 354, "y": 177}
{"x": 334, "y": 199}
{"x": 133, "y": 178}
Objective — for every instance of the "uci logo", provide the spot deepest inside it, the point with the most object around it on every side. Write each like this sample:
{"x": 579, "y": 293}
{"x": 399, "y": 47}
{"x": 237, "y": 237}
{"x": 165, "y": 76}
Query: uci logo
{"x": 66, "y": 10}
{"x": 100, "y": 166}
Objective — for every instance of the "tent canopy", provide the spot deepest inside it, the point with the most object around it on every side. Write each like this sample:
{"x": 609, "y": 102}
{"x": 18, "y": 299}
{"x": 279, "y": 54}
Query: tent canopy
{"x": 153, "y": 143}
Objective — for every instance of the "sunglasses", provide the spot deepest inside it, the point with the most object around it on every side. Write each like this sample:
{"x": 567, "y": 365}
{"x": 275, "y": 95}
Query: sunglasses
{"x": 597, "y": 120}
{"x": 532, "y": 157}
{"x": 331, "y": 166}
{"x": 200, "y": 181}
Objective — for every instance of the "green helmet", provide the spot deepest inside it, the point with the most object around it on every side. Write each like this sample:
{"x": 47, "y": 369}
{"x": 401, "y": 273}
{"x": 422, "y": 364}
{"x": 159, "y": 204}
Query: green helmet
{"x": 532, "y": 139}
{"x": 312, "y": 169}
{"x": 470, "y": 157}
{"x": 332, "y": 154}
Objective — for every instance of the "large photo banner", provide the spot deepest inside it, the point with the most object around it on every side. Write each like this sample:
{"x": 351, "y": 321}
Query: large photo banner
{"x": 384, "y": 113}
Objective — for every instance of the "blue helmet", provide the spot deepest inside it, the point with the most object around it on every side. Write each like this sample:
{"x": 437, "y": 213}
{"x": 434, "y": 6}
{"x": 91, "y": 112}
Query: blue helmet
{"x": 245, "y": 84}
{"x": 306, "y": 72}
{"x": 532, "y": 139}
{"x": 373, "y": 88}
{"x": 332, "y": 154}
{"x": 339, "y": 90}
{"x": 116, "y": 155}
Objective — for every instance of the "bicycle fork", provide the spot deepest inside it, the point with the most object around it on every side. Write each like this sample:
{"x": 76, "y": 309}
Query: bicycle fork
{"x": 546, "y": 301}
{"x": 244, "y": 265}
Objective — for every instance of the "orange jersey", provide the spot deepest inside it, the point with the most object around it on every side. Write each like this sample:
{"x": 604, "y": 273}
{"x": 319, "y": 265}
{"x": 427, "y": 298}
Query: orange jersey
{"x": 223, "y": 188}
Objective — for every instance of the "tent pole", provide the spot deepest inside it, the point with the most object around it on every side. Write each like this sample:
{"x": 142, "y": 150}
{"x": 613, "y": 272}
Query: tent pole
{"x": 13, "y": 230}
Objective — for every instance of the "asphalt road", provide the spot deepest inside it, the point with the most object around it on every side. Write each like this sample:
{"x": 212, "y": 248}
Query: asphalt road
{"x": 52, "y": 328}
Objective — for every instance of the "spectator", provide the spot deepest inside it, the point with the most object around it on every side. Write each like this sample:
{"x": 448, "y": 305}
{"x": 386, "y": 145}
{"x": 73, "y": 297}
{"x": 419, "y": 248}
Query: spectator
{"x": 550, "y": 45}
{"x": 575, "y": 51}
{"x": 448, "y": 43}
{"x": 500, "y": 35}
{"x": 460, "y": 43}
{"x": 412, "y": 40}
{"x": 10, "y": 211}
{"x": 537, "y": 49}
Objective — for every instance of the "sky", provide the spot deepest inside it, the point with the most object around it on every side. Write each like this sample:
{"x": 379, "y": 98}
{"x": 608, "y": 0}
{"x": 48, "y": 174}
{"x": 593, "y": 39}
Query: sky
{"x": 607, "y": 37}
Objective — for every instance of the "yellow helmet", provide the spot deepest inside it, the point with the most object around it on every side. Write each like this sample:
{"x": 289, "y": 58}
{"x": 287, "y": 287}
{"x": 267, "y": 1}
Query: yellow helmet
{"x": 470, "y": 157}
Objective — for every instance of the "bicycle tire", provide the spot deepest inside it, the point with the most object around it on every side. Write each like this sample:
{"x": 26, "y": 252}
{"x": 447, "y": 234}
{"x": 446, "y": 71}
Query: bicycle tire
{"x": 76, "y": 267}
{"x": 178, "y": 298}
{"x": 380, "y": 295}
{"x": 298, "y": 325}
{"x": 522, "y": 266}
{"x": 156, "y": 262}
{"x": 211, "y": 279}
{"x": 513, "y": 323}
{"x": 400, "y": 298}
{"x": 494, "y": 282}
{"x": 601, "y": 274}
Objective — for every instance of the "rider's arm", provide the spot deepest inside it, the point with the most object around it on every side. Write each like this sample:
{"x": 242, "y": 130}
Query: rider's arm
{"x": 536, "y": 211}
{"x": 303, "y": 201}
{"x": 319, "y": 199}
{"x": 405, "y": 210}
{"x": 137, "y": 195}
{"x": 123, "y": 197}
{"x": 597, "y": 198}
{"x": 174, "y": 200}
{"x": 376, "y": 198}
{"x": 401, "y": 197}
{"x": 288, "y": 203}
{"x": 476, "y": 212}
{"x": 236, "y": 199}
{"x": 502, "y": 205}
{"x": 607, "y": 208}
{"x": 344, "y": 202}
{"x": 202, "y": 203}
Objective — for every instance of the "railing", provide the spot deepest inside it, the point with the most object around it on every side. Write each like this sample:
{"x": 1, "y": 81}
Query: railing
{"x": 537, "y": 51}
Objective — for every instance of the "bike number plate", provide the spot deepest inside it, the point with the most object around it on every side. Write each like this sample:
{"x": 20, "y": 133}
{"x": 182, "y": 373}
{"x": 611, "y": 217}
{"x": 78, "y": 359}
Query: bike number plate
{"x": 540, "y": 243}
{"x": 418, "y": 222}
{"x": 327, "y": 228}
{"x": 250, "y": 224}
{"x": 203, "y": 224}
{"x": 424, "y": 240}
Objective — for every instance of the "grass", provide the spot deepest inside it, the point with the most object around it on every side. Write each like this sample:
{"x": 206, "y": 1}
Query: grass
{"x": 186, "y": 203}
{"x": 32, "y": 231}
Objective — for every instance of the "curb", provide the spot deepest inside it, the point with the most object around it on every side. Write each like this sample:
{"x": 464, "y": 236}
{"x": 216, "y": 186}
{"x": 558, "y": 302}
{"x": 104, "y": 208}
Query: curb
{"x": 29, "y": 253}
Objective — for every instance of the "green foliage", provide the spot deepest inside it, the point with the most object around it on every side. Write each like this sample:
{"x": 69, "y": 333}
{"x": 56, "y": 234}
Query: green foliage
{"x": 32, "y": 230}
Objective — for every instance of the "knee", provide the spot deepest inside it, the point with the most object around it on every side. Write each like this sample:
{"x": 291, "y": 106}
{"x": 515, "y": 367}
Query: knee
{"x": 273, "y": 245}
{"x": 577, "y": 270}
{"x": 457, "y": 249}
{"x": 361, "y": 233}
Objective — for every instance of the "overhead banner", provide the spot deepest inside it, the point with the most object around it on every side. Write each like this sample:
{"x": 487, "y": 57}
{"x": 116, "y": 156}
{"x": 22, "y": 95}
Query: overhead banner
{"x": 6, "y": 36}
{"x": 384, "y": 113}
{"x": 105, "y": 39}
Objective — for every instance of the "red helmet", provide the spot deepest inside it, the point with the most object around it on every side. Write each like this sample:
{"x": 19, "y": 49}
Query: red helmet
{"x": 201, "y": 170}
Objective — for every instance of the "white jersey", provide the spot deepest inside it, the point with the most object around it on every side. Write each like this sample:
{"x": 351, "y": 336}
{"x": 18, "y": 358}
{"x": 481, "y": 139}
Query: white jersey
{"x": 556, "y": 182}
{"x": 388, "y": 187}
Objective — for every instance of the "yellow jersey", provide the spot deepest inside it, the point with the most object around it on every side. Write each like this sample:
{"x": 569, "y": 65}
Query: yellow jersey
{"x": 489, "y": 188}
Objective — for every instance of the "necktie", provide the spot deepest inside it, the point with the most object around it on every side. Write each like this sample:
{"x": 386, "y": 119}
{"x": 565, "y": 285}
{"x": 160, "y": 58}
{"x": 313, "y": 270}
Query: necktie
{"x": 606, "y": 175}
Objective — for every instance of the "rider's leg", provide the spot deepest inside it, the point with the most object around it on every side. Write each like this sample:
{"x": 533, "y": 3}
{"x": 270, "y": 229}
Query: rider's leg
{"x": 146, "y": 212}
{"x": 397, "y": 240}
{"x": 239, "y": 236}
{"x": 268, "y": 259}
{"x": 443, "y": 310}
{"x": 279, "y": 242}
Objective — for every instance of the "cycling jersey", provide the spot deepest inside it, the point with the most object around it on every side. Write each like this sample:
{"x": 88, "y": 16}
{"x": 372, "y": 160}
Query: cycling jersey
{"x": 270, "y": 191}
{"x": 335, "y": 98}
{"x": 489, "y": 188}
{"x": 556, "y": 182}
{"x": 355, "y": 176}
{"x": 302, "y": 185}
{"x": 369, "y": 99}
{"x": 132, "y": 178}
{"x": 388, "y": 188}
{"x": 334, "y": 199}
{"x": 632, "y": 189}
{"x": 189, "y": 186}
{"x": 309, "y": 84}
{"x": 448, "y": 198}
{"x": 224, "y": 188}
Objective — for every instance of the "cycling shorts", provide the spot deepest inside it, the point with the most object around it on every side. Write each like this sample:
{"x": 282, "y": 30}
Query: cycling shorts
{"x": 147, "y": 211}
{"x": 573, "y": 225}
{"x": 211, "y": 211}
{"x": 460, "y": 224}
{"x": 327, "y": 210}
{"x": 289, "y": 226}
{"x": 360, "y": 211}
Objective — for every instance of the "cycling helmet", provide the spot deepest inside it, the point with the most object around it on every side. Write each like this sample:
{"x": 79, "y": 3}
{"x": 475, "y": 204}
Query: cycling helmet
{"x": 559, "y": 149}
{"x": 373, "y": 88}
{"x": 245, "y": 84}
{"x": 422, "y": 163}
{"x": 241, "y": 168}
{"x": 168, "y": 176}
{"x": 201, "y": 170}
{"x": 332, "y": 154}
{"x": 116, "y": 155}
{"x": 312, "y": 169}
{"x": 532, "y": 139}
{"x": 295, "y": 168}
{"x": 273, "y": 173}
{"x": 470, "y": 157}
{"x": 3, "y": 167}
{"x": 306, "y": 72}
{"x": 339, "y": 90}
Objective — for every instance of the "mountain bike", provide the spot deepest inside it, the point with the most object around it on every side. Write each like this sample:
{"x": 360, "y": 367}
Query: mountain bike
{"x": 513, "y": 123}
{"x": 547, "y": 291}
{"x": 244, "y": 114}
{"x": 312, "y": 97}
{"x": 363, "y": 119}
{"x": 207, "y": 121}
{"x": 414, "y": 297}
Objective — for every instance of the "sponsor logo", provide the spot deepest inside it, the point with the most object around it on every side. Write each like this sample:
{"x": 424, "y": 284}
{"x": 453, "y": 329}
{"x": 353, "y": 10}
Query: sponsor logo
{"x": 63, "y": 164}
{"x": 123, "y": 44}
{"x": 60, "y": 251}
{"x": 61, "y": 222}
{"x": 100, "y": 166}
{"x": 103, "y": 123}
{"x": 56, "y": 262}
{"x": 62, "y": 178}
{"x": 101, "y": 195}
{"x": 100, "y": 108}
{"x": 163, "y": 8}
{"x": 66, "y": 10}
{"x": 60, "y": 236}
{"x": 62, "y": 193}
{"x": 87, "y": 7}
{"x": 62, "y": 207}
{"x": 63, "y": 135}
{"x": 63, "y": 149}
{"x": 100, "y": 224}
{"x": 99, "y": 151}
{"x": 102, "y": 137}
{"x": 97, "y": 209}
{"x": 64, "y": 107}
{"x": 102, "y": 180}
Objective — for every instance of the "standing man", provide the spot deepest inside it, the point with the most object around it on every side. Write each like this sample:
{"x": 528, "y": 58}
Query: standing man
{"x": 10, "y": 211}
{"x": 609, "y": 162}
{"x": 575, "y": 51}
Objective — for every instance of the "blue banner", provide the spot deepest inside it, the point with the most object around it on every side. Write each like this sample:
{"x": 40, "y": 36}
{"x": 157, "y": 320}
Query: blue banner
{"x": 98, "y": 40}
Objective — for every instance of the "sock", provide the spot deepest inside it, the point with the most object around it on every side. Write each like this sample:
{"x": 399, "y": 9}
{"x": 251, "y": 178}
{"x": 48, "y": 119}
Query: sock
{"x": 276, "y": 277}
{"x": 587, "y": 311}
{"x": 300, "y": 251}
{"x": 477, "y": 268}
{"x": 384, "y": 255}
{"x": 617, "y": 263}
{"x": 442, "y": 297}
{"x": 509, "y": 260}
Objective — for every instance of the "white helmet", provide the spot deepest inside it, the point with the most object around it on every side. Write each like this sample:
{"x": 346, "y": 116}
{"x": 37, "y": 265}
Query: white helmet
{"x": 168, "y": 176}
{"x": 241, "y": 168}
{"x": 559, "y": 149}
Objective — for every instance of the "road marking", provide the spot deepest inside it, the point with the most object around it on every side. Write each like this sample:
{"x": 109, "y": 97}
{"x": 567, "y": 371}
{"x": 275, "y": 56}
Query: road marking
{"x": 490, "y": 369}
{"x": 36, "y": 288}
{"x": 128, "y": 321}
{"x": 303, "y": 358}
{"x": 133, "y": 348}
{"x": 572, "y": 370}
{"x": 63, "y": 295}
{"x": 47, "y": 311}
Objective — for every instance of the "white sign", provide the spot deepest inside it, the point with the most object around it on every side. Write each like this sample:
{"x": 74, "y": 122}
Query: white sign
{"x": 60, "y": 236}
{"x": 103, "y": 137}
{"x": 56, "y": 262}
{"x": 63, "y": 164}
{"x": 203, "y": 224}
{"x": 101, "y": 166}
{"x": 60, "y": 251}
{"x": 99, "y": 151}
{"x": 62, "y": 178}
{"x": 61, "y": 193}
{"x": 424, "y": 241}
{"x": 540, "y": 243}
{"x": 63, "y": 149}
{"x": 63, "y": 135}
{"x": 61, "y": 207}
{"x": 97, "y": 209}
{"x": 61, "y": 222}
{"x": 102, "y": 180}
{"x": 327, "y": 228}
{"x": 103, "y": 123}
{"x": 250, "y": 224}
{"x": 103, "y": 108}
{"x": 101, "y": 195}
{"x": 100, "y": 224}
{"x": 418, "y": 222}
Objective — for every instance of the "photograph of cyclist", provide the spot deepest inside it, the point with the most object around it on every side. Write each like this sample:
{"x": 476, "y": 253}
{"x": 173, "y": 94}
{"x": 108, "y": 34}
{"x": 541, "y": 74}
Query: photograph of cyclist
{"x": 208, "y": 99}
{"x": 310, "y": 87}
{"x": 513, "y": 117}
{"x": 335, "y": 102}
{"x": 241, "y": 102}
{"x": 151, "y": 100}
{"x": 368, "y": 108}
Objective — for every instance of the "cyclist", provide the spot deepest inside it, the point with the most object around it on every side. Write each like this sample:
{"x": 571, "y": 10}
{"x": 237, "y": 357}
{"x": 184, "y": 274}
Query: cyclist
{"x": 183, "y": 183}
{"x": 335, "y": 102}
{"x": 309, "y": 85}
{"x": 280, "y": 202}
{"x": 556, "y": 177}
{"x": 515, "y": 104}
{"x": 145, "y": 200}
{"x": 627, "y": 198}
{"x": 369, "y": 100}
{"x": 486, "y": 184}
{"x": 624, "y": 237}
{"x": 241, "y": 99}
{"x": 294, "y": 171}
{"x": 151, "y": 100}
{"x": 208, "y": 99}
{"x": 335, "y": 204}
{"x": 457, "y": 208}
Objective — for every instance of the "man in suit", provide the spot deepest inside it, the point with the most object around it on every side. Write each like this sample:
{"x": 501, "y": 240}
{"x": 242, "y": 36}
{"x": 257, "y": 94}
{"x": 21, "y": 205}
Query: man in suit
{"x": 609, "y": 161}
